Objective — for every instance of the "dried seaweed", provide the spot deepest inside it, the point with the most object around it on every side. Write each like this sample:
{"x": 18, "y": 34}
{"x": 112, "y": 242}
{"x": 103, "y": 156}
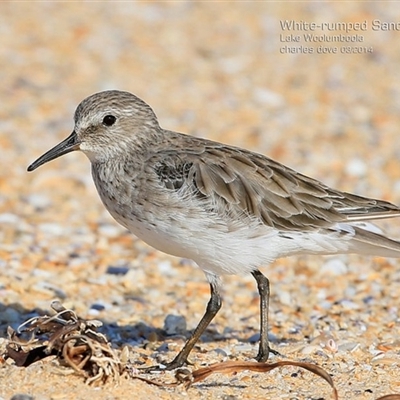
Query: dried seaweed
{"x": 73, "y": 340}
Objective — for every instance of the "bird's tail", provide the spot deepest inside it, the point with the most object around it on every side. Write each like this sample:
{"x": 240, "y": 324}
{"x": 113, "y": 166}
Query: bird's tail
{"x": 368, "y": 242}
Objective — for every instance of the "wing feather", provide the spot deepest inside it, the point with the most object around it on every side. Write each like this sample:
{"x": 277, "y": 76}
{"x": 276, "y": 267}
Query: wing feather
{"x": 246, "y": 184}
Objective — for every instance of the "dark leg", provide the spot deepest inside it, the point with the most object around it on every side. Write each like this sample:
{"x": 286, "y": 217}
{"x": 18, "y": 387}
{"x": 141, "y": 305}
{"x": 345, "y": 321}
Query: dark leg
{"x": 213, "y": 307}
{"x": 263, "y": 290}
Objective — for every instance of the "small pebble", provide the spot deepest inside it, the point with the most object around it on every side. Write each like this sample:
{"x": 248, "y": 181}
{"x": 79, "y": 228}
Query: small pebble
{"x": 285, "y": 297}
{"x": 349, "y": 305}
{"x": 58, "y": 292}
{"x": 53, "y": 229}
{"x": 174, "y": 324}
{"x": 165, "y": 267}
{"x": 334, "y": 266}
{"x": 10, "y": 315}
{"x": 93, "y": 312}
{"x": 268, "y": 97}
{"x": 8, "y": 218}
{"x": 349, "y": 346}
{"x": 115, "y": 270}
{"x": 254, "y": 338}
{"x": 109, "y": 230}
{"x": 97, "y": 306}
{"x": 356, "y": 167}
{"x": 223, "y": 352}
{"x": 38, "y": 200}
{"x": 244, "y": 348}
{"x": 21, "y": 396}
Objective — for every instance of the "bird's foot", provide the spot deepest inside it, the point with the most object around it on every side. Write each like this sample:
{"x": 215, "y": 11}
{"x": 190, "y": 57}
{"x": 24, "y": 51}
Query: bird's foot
{"x": 263, "y": 354}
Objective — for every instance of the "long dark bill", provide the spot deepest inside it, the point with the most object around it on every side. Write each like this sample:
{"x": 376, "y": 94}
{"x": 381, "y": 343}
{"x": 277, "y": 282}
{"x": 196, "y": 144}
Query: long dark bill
{"x": 71, "y": 143}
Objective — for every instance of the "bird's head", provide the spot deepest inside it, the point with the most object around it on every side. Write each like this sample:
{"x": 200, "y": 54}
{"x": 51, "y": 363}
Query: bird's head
{"x": 107, "y": 124}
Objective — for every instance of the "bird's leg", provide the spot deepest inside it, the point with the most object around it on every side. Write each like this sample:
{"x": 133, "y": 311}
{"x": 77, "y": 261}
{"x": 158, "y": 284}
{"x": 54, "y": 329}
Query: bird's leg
{"x": 263, "y": 290}
{"x": 213, "y": 307}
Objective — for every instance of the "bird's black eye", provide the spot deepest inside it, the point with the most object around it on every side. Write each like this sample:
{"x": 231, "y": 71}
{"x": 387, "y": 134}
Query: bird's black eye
{"x": 109, "y": 120}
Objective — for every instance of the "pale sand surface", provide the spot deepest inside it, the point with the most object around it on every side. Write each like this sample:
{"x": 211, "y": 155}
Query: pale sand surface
{"x": 213, "y": 70}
